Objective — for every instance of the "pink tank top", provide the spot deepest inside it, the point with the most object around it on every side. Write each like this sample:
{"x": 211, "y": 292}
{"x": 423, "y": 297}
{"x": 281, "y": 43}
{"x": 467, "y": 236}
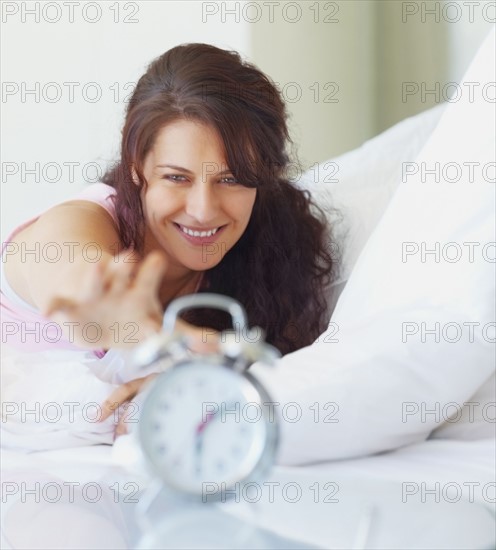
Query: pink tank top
{"x": 23, "y": 327}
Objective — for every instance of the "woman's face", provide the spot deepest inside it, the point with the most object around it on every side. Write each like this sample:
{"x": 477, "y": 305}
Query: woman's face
{"x": 195, "y": 210}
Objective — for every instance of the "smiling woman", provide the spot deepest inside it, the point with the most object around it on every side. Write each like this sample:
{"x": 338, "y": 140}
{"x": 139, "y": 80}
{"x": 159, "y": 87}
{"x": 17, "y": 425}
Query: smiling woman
{"x": 204, "y": 148}
{"x": 198, "y": 201}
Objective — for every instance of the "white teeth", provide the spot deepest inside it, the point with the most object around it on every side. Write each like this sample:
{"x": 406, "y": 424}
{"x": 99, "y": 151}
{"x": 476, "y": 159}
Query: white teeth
{"x": 198, "y": 233}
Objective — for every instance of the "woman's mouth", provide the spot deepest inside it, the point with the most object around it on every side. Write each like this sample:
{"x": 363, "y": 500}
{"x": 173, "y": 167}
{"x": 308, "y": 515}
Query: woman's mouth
{"x": 197, "y": 236}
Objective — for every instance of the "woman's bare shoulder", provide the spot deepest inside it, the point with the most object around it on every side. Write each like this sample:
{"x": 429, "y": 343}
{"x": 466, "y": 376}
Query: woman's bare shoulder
{"x": 53, "y": 241}
{"x": 81, "y": 219}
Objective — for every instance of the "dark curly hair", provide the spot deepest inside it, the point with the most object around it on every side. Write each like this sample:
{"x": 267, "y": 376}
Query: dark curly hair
{"x": 280, "y": 267}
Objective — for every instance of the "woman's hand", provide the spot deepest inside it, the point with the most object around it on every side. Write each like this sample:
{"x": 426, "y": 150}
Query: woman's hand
{"x": 118, "y": 306}
{"x": 199, "y": 340}
{"x": 119, "y": 397}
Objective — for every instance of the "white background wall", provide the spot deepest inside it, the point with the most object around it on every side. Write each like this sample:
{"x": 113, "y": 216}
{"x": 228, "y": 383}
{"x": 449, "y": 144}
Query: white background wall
{"x": 366, "y": 48}
{"x": 111, "y": 53}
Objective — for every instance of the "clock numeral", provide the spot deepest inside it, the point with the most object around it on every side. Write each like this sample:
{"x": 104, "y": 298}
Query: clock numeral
{"x": 162, "y": 449}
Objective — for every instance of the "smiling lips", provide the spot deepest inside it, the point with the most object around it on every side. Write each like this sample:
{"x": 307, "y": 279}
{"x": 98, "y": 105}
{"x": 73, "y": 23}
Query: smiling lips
{"x": 199, "y": 237}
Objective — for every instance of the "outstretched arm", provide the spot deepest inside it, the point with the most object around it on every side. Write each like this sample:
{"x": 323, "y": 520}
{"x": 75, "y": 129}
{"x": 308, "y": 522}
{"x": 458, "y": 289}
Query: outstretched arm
{"x": 94, "y": 292}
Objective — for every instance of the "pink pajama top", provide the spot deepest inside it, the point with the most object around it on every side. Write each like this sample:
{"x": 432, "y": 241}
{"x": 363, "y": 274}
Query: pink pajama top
{"x": 23, "y": 327}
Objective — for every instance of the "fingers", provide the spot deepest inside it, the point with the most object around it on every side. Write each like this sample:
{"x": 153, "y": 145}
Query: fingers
{"x": 111, "y": 276}
{"x": 199, "y": 339}
{"x": 121, "y": 271}
{"x": 204, "y": 342}
{"x": 122, "y": 394}
{"x": 58, "y": 304}
{"x": 94, "y": 283}
{"x": 121, "y": 427}
{"x": 151, "y": 273}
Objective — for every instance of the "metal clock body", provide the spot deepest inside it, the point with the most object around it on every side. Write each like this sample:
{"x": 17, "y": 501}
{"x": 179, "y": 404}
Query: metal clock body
{"x": 207, "y": 426}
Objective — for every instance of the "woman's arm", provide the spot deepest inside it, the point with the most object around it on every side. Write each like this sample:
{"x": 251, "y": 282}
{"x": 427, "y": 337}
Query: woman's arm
{"x": 92, "y": 291}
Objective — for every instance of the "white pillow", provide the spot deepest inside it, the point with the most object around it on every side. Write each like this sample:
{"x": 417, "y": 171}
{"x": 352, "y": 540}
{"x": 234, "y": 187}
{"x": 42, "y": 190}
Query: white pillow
{"x": 367, "y": 388}
{"x": 354, "y": 189}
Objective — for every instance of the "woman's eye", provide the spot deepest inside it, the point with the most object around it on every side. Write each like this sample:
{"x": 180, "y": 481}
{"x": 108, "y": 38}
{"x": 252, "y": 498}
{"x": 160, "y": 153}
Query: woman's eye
{"x": 229, "y": 180}
{"x": 174, "y": 177}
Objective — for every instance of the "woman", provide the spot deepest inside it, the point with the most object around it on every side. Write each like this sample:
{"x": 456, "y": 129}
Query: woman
{"x": 199, "y": 201}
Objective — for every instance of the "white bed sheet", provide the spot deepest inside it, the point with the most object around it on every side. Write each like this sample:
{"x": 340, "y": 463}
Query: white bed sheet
{"x": 372, "y": 509}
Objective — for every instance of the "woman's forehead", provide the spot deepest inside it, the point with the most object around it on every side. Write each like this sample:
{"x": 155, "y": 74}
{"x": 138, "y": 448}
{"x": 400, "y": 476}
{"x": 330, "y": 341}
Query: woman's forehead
{"x": 186, "y": 144}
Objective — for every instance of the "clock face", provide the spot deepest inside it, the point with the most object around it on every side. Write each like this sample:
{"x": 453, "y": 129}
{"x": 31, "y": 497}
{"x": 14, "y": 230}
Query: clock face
{"x": 205, "y": 426}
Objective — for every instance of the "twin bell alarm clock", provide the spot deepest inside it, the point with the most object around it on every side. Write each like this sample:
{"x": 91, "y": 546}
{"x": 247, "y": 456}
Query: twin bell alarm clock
{"x": 206, "y": 425}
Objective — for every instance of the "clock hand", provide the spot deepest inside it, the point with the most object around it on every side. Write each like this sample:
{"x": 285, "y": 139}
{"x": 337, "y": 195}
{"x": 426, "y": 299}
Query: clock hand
{"x": 211, "y": 416}
{"x": 199, "y": 433}
{"x": 204, "y": 423}
{"x": 199, "y": 438}
{"x": 198, "y": 453}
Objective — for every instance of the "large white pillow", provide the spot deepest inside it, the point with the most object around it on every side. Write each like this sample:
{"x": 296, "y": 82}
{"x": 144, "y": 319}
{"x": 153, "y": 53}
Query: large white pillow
{"x": 354, "y": 189}
{"x": 365, "y": 387}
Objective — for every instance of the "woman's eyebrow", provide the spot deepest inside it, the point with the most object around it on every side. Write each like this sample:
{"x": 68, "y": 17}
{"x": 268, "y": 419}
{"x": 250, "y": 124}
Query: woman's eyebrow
{"x": 181, "y": 169}
{"x": 178, "y": 168}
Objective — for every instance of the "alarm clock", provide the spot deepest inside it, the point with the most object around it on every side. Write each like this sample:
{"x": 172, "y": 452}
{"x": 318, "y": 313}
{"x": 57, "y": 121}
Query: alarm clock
{"x": 207, "y": 426}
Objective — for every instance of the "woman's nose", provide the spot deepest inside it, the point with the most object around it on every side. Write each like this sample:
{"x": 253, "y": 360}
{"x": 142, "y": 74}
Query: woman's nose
{"x": 202, "y": 202}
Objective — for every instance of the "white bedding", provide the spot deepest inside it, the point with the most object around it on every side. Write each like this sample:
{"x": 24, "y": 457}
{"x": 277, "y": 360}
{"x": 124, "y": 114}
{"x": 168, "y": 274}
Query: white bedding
{"x": 400, "y": 518}
{"x": 51, "y": 400}
{"x": 368, "y": 362}
{"x": 71, "y": 452}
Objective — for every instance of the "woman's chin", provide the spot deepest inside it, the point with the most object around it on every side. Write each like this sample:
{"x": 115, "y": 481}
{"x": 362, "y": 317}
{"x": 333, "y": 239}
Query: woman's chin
{"x": 201, "y": 264}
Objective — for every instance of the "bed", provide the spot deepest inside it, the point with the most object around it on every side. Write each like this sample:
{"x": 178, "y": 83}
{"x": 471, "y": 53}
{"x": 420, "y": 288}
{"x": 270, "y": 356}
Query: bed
{"x": 434, "y": 495}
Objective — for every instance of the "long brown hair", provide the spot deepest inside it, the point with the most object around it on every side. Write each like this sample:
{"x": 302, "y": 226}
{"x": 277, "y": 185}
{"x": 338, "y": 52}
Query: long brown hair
{"x": 279, "y": 268}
